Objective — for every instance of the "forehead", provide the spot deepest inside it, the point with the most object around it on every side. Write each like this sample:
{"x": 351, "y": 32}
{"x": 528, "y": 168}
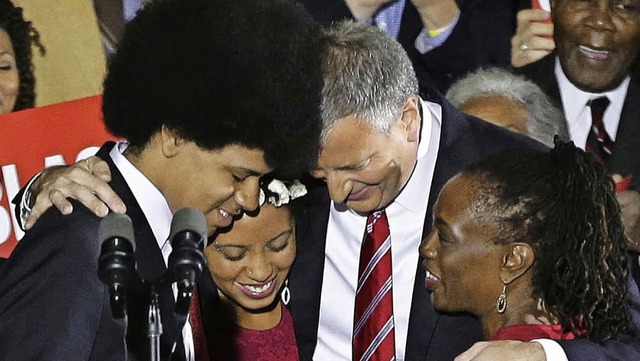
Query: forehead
{"x": 351, "y": 139}
{"x": 460, "y": 206}
{"x": 238, "y": 156}
{"x": 5, "y": 43}
{"x": 267, "y": 223}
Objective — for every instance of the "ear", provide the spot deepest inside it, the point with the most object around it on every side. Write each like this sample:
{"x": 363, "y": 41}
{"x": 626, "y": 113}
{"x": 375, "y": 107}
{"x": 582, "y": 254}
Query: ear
{"x": 170, "y": 141}
{"x": 517, "y": 260}
{"x": 410, "y": 119}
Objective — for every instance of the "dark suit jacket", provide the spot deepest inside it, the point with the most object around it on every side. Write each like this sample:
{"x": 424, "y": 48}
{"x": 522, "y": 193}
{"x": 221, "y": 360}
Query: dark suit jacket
{"x": 624, "y": 159}
{"x": 481, "y": 38}
{"x": 54, "y": 307}
{"x": 432, "y": 336}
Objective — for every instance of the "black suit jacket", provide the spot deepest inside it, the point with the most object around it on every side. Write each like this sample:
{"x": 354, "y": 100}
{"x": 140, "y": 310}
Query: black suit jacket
{"x": 481, "y": 38}
{"x": 624, "y": 159}
{"x": 54, "y": 307}
{"x": 432, "y": 336}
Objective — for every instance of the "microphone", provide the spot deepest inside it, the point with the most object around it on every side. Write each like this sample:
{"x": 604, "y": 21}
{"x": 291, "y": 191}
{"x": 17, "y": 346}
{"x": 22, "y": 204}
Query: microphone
{"x": 187, "y": 260}
{"x": 116, "y": 263}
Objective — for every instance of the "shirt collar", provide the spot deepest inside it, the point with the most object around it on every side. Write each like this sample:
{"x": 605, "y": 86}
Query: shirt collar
{"x": 574, "y": 100}
{"x": 152, "y": 203}
{"x": 415, "y": 192}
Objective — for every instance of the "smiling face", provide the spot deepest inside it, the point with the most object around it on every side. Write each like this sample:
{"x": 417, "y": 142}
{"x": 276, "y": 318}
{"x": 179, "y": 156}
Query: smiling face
{"x": 462, "y": 262}
{"x": 597, "y": 41}
{"x": 9, "y": 79}
{"x": 250, "y": 261}
{"x": 366, "y": 168}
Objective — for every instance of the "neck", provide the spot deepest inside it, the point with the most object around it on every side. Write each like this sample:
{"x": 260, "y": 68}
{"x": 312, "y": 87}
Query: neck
{"x": 264, "y": 319}
{"x": 521, "y": 309}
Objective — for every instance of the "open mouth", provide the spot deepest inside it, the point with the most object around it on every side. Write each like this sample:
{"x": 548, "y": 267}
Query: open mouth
{"x": 259, "y": 291}
{"x": 359, "y": 195}
{"x": 595, "y": 54}
{"x": 225, "y": 218}
{"x": 431, "y": 281}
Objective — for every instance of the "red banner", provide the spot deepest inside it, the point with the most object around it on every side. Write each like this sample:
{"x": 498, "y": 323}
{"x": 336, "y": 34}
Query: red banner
{"x": 36, "y": 138}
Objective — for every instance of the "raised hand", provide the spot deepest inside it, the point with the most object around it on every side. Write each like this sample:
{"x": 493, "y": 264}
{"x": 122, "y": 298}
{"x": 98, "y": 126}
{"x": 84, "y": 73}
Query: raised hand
{"x": 533, "y": 39}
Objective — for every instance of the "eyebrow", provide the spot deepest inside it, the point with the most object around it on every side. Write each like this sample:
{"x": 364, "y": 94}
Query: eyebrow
{"x": 438, "y": 221}
{"x": 249, "y": 171}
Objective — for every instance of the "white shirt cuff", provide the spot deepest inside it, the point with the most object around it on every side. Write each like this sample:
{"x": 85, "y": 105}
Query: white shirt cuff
{"x": 552, "y": 350}
{"x": 24, "y": 206}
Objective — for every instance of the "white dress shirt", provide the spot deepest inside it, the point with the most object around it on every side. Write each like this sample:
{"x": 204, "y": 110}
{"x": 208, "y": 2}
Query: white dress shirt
{"x": 345, "y": 232}
{"x": 158, "y": 215}
{"x": 578, "y": 113}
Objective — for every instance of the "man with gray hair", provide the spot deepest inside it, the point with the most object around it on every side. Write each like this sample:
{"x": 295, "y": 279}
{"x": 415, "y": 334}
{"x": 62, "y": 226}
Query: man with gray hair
{"x": 385, "y": 155}
{"x": 357, "y": 288}
{"x": 510, "y": 101}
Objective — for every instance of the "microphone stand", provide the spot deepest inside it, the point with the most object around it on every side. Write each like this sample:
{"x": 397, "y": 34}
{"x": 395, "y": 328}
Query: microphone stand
{"x": 154, "y": 326}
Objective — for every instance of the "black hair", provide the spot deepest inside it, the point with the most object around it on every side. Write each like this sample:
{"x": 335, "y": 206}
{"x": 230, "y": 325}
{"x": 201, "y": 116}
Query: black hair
{"x": 218, "y": 73}
{"x": 23, "y": 35}
{"x": 563, "y": 204}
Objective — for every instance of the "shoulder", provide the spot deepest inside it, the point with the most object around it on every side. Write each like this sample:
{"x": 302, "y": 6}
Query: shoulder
{"x": 58, "y": 242}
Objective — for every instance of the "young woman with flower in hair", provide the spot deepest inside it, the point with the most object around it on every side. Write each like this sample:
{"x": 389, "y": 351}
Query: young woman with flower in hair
{"x": 244, "y": 317}
{"x": 532, "y": 244}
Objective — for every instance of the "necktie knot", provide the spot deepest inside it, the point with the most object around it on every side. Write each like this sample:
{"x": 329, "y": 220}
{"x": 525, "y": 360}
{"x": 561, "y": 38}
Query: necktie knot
{"x": 598, "y": 142}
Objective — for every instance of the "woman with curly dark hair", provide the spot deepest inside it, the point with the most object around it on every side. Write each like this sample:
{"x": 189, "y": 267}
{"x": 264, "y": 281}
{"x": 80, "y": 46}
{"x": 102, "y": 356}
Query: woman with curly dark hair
{"x": 533, "y": 244}
{"x": 17, "y": 81}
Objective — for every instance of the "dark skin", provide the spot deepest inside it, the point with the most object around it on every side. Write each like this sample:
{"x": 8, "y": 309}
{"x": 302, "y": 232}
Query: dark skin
{"x": 597, "y": 41}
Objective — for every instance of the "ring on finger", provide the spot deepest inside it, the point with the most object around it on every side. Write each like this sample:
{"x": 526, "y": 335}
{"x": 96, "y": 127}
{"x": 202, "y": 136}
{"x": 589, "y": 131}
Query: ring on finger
{"x": 523, "y": 46}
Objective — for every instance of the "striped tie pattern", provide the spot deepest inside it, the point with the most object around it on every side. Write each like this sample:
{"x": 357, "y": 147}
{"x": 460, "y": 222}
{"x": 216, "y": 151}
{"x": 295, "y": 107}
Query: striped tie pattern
{"x": 373, "y": 329}
{"x": 598, "y": 142}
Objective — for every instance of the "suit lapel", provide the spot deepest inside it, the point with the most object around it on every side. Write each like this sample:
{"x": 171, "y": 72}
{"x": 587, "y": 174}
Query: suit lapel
{"x": 150, "y": 266}
{"x": 624, "y": 159}
{"x": 305, "y": 278}
{"x": 457, "y": 150}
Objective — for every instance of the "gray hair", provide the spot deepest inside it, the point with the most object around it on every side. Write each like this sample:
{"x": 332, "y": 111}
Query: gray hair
{"x": 366, "y": 73}
{"x": 544, "y": 119}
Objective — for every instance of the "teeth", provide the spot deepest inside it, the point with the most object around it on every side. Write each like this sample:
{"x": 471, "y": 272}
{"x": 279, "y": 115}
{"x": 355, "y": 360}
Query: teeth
{"x": 430, "y": 275}
{"x": 224, "y": 213}
{"x": 586, "y": 48}
{"x": 258, "y": 290}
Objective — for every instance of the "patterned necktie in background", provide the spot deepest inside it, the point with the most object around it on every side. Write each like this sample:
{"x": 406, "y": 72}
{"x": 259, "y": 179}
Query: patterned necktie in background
{"x": 598, "y": 142}
{"x": 373, "y": 330}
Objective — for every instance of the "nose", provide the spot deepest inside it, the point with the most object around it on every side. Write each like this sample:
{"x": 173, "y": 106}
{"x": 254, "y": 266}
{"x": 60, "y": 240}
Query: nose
{"x": 339, "y": 186}
{"x": 428, "y": 246}
{"x": 601, "y": 15}
{"x": 259, "y": 269}
{"x": 247, "y": 194}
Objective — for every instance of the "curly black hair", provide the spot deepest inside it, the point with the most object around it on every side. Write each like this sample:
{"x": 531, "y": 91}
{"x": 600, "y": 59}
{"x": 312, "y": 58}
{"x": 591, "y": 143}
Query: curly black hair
{"x": 219, "y": 73}
{"x": 23, "y": 35}
{"x": 563, "y": 204}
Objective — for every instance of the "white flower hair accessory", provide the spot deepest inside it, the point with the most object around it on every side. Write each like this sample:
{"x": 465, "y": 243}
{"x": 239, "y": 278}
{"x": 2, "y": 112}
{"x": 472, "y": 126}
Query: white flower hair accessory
{"x": 281, "y": 193}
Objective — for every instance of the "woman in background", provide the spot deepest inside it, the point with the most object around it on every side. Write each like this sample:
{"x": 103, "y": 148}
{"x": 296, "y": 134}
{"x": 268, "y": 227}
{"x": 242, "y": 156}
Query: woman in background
{"x": 532, "y": 244}
{"x": 17, "y": 81}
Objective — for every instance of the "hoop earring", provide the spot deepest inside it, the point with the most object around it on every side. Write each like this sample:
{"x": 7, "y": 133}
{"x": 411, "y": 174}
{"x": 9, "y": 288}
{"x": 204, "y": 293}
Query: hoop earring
{"x": 501, "y": 304}
{"x": 285, "y": 295}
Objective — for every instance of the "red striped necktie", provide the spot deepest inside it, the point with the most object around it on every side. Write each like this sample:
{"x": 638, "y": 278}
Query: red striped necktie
{"x": 373, "y": 330}
{"x": 598, "y": 142}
